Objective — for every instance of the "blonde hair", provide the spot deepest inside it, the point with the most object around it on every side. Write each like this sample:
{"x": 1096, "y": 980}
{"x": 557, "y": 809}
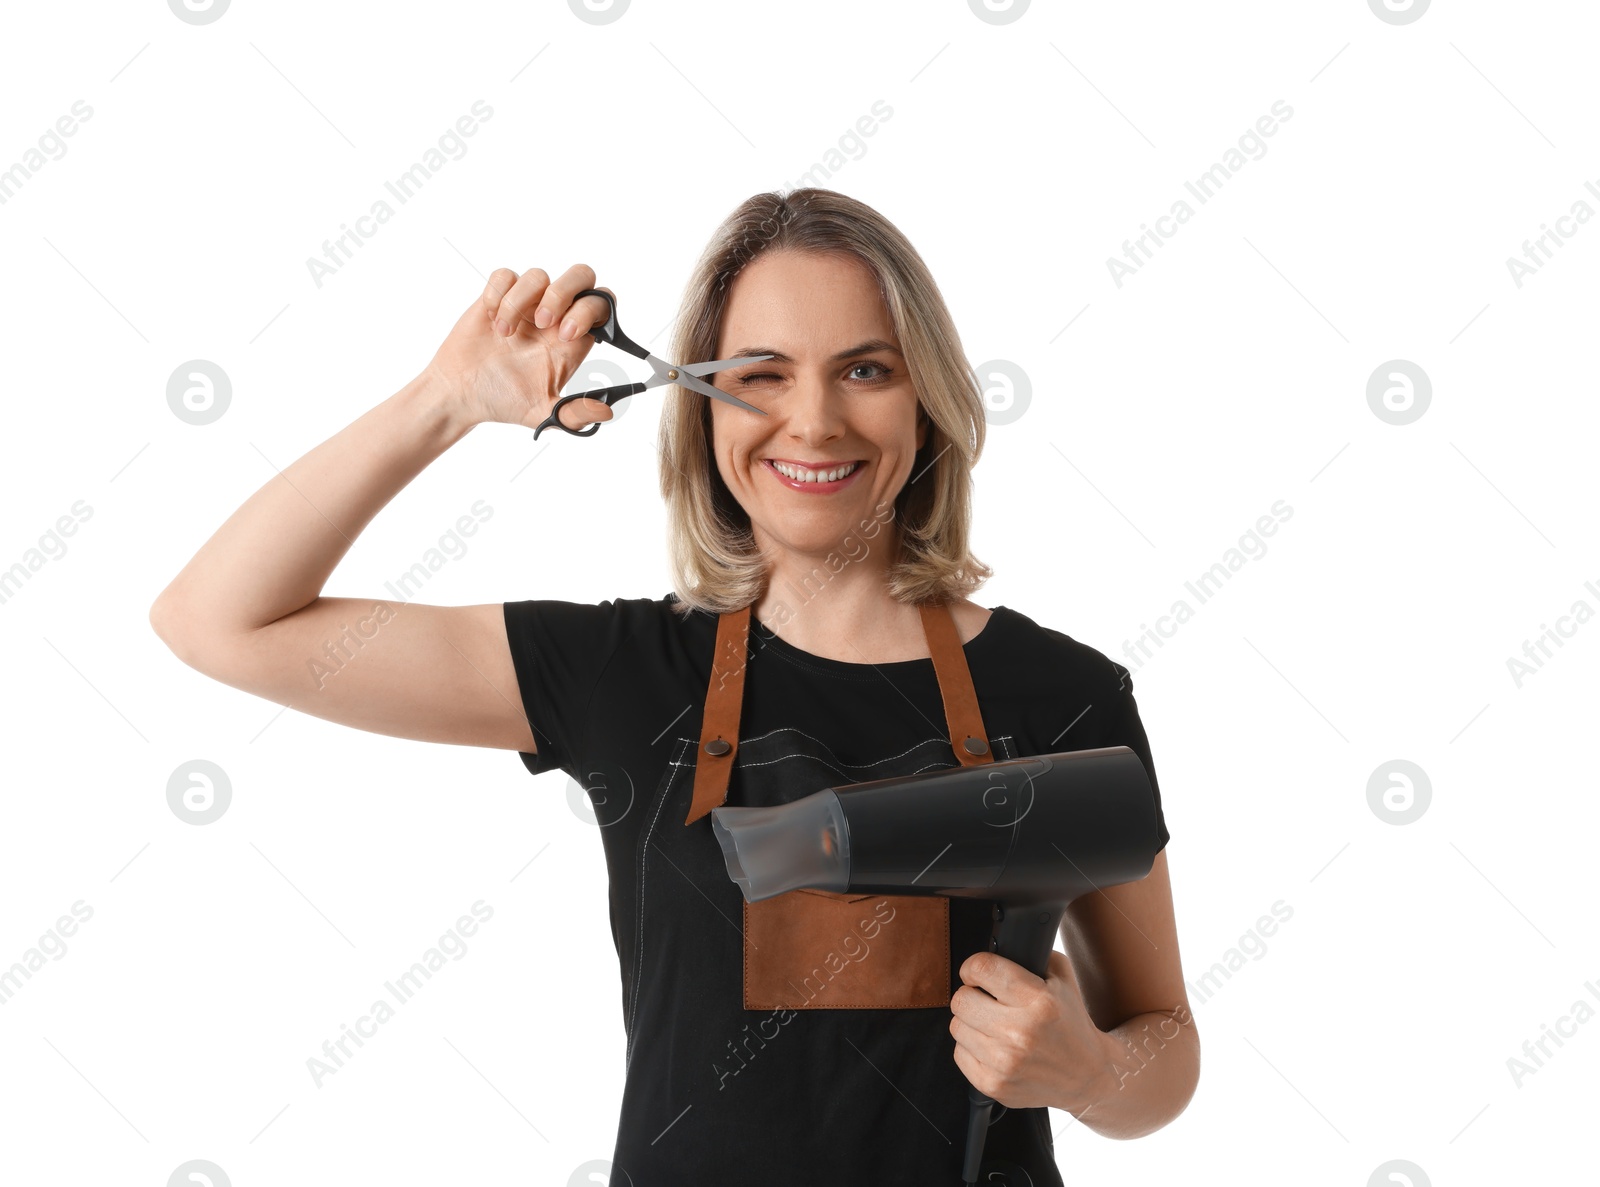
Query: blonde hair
{"x": 716, "y": 565}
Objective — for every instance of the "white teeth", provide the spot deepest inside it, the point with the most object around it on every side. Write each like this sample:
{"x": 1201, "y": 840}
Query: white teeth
{"x": 800, "y": 475}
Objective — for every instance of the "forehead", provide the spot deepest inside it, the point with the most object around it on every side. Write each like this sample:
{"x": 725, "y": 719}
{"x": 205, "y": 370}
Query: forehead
{"x": 803, "y": 304}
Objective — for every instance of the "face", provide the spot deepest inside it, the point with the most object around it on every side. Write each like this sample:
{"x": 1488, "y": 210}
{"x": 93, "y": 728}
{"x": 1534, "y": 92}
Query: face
{"x": 836, "y": 394}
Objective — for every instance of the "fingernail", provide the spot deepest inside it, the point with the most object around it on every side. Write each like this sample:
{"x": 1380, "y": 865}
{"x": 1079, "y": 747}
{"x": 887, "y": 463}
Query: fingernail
{"x": 499, "y": 326}
{"x": 542, "y": 317}
{"x": 568, "y": 328}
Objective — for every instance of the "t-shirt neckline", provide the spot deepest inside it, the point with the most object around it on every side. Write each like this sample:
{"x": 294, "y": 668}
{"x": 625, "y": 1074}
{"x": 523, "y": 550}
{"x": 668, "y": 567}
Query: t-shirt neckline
{"x": 854, "y": 668}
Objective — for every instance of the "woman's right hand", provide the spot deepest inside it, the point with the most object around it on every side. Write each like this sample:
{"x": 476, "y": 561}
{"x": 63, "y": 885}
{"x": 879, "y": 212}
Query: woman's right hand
{"x": 500, "y": 364}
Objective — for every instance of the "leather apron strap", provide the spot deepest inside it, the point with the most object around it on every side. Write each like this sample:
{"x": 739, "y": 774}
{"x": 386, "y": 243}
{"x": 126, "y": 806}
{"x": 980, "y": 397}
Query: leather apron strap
{"x": 719, "y": 728}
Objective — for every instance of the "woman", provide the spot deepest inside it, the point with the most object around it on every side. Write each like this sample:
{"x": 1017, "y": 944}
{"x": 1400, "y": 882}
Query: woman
{"x": 819, "y": 601}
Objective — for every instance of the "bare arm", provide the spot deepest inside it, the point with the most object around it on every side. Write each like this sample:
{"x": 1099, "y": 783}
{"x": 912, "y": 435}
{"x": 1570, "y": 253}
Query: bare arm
{"x": 1123, "y": 942}
{"x": 248, "y": 609}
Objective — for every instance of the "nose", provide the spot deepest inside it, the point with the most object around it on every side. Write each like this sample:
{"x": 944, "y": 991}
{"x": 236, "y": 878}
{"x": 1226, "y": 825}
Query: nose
{"x": 814, "y": 410}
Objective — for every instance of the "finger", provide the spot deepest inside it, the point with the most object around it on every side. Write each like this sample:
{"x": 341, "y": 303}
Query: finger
{"x": 590, "y": 411}
{"x": 577, "y": 415}
{"x": 583, "y": 316}
{"x": 1004, "y": 979}
{"x": 554, "y": 303}
{"x": 976, "y": 1008}
{"x": 496, "y": 287}
{"x": 974, "y": 1042}
{"x": 500, "y": 282}
{"x": 520, "y": 297}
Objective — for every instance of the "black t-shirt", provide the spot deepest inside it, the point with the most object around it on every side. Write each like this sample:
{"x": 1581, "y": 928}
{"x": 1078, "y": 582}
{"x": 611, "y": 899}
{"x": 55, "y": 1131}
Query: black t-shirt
{"x": 715, "y": 1093}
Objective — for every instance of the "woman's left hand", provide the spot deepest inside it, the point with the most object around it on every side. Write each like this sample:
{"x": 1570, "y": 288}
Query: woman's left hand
{"x": 1028, "y": 1042}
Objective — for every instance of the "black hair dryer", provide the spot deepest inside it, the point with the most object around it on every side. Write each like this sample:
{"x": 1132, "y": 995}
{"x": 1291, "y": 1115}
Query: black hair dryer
{"x": 1029, "y": 834}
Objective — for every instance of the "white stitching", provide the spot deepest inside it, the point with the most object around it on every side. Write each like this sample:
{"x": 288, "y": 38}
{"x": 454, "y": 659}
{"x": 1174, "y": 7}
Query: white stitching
{"x": 638, "y": 954}
{"x": 837, "y": 762}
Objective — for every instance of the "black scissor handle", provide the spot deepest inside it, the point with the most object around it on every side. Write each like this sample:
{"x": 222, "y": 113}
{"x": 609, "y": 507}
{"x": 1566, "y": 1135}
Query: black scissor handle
{"x": 608, "y": 331}
{"x": 606, "y": 395}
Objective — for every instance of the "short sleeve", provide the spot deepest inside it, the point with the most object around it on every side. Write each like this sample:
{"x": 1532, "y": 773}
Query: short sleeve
{"x": 1123, "y": 728}
{"x": 559, "y": 650}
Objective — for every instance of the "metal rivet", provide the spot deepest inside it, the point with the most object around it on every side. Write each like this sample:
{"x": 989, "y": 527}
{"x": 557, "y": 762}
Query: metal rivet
{"x": 673, "y": 374}
{"x": 976, "y": 746}
{"x": 718, "y": 747}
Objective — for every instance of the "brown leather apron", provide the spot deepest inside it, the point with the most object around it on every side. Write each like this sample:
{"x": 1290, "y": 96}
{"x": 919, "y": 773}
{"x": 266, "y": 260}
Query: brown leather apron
{"x": 814, "y": 949}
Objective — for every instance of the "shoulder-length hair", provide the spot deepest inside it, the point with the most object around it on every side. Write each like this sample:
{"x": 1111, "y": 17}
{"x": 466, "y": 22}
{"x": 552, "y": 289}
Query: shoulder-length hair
{"x": 716, "y": 565}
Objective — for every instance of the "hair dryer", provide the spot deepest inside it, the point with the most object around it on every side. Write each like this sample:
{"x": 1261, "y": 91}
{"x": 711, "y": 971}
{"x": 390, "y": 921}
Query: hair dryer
{"x": 1030, "y": 834}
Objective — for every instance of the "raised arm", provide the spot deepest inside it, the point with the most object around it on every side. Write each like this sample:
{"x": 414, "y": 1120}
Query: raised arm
{"x": 248, "y": 609}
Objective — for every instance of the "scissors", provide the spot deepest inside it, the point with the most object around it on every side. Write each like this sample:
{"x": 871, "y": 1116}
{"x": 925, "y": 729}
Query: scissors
{"x": 687, "y": 375}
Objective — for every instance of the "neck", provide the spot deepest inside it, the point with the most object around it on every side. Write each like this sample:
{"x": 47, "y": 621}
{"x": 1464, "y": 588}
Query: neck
{"x": 841, "y": 608}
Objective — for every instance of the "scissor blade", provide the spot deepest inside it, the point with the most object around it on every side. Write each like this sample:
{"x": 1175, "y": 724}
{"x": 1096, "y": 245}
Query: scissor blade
{"x": 722, "y": 364}
{"x": 705, "y": 389}
{"x": 688, "y": 380}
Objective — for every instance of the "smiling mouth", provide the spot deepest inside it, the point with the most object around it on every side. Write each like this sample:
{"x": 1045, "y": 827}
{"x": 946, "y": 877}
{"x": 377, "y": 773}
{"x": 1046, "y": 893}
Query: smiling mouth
{"x": 812, "y": 482}
{"x": 811, "y": 474}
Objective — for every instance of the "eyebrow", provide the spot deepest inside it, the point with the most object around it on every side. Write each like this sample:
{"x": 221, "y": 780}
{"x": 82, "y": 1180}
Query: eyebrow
{"x": 867, "y": 347}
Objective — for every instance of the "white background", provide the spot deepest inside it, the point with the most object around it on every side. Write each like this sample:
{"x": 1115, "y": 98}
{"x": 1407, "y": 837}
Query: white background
{"x": 1169, "y": 415}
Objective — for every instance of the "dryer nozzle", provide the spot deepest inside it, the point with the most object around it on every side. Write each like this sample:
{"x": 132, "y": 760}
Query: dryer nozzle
{"x": 772, "y": 850}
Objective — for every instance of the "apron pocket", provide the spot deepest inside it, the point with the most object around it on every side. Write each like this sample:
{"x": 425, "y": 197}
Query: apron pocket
{"x": 817, "y": 950}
